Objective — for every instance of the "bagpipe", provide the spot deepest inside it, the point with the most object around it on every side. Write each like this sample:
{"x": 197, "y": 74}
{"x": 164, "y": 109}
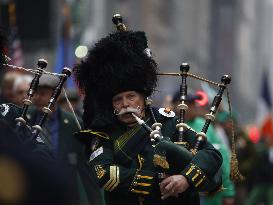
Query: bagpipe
{"x": 172, "y": 157}
{"x": 35, "y": 133}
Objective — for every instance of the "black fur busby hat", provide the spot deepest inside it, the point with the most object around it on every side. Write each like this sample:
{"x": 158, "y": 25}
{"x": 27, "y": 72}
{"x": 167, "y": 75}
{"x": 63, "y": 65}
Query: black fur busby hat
{"x": 119, "y": 62}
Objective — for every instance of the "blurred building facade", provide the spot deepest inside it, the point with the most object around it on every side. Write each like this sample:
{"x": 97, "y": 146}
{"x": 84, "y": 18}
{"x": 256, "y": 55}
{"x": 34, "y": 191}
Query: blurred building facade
{"x": 216, "y": 37}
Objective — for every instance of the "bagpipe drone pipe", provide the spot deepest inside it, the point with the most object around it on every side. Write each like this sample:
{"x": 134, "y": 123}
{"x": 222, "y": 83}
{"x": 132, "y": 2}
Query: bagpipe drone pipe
{"x": 172, "y": 157}
{"x": 16, "y": 116}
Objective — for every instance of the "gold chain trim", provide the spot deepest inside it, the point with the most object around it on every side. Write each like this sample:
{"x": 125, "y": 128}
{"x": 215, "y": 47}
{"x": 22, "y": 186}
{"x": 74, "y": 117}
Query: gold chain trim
{"x": 99, "y": 134}
{"x": 123, "y": 139}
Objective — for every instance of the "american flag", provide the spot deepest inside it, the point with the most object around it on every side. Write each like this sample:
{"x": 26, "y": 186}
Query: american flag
{"x": 264, "y": 100}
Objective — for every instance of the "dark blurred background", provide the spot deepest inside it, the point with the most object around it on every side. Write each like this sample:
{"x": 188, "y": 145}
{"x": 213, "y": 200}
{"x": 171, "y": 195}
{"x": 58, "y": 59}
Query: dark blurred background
{"x": 216, "y": 37}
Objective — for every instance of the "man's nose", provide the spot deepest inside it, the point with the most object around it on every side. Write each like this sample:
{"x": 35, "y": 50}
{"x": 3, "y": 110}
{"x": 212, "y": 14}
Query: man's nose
{"x": 125, "y": 102}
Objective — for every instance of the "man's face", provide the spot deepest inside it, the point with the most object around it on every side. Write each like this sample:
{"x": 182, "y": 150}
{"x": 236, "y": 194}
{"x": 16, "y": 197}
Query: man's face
{"x": 125, "y": 100}
{"x": 7, "y": 91}
{"x": 41, "y": 97}
{"x": 21, "y": 93}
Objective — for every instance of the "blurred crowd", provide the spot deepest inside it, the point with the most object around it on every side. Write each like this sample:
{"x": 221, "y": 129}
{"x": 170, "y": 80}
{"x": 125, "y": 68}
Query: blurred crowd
{"x": 254, "y": 148}
{"x": 254, "y": 153}
{"x": 52, "y": 172}
{"x": 14, "y": 87}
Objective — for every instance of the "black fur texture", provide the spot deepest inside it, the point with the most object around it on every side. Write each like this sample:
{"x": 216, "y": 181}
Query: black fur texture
{"x": 115, "y": 64}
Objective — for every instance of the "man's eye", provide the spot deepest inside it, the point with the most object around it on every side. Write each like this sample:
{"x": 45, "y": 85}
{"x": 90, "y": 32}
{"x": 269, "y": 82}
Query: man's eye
{"x": 131, "y": 96}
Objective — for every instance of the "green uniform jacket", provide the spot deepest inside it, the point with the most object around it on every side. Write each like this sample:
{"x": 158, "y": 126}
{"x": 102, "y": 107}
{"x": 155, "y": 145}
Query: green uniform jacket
{"x": 123, "y": 161}
{"x": 197, "y": 124}
{"x": 70, "y": 150}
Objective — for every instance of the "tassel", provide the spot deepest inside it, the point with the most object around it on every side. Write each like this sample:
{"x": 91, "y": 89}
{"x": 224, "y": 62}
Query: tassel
{"x": 235, "y": 174}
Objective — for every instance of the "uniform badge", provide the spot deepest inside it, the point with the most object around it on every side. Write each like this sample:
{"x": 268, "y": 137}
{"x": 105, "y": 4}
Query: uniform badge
{"x": 39, "y": 139}
{"x": 161, "y": 161}
{"x": 99, "y": 171}
{"x": 94, "y": 144}
{"x": 148, "y": 52}
{"x": 4, "y": 109}
{"x": 96, "y": 153}
{"x": 167, "y": 112}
